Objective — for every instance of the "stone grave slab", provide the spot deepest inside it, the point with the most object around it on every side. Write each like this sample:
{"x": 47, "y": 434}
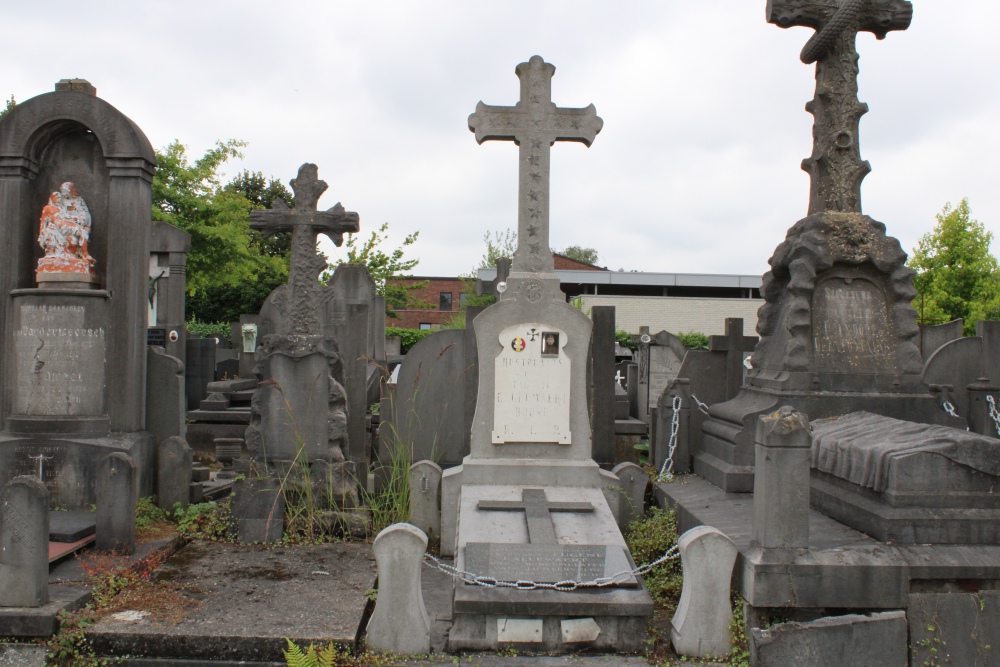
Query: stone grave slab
{"x": 547, "y": 563}
{"x": 59, "y": 550}
{"x": 71, "y": 526}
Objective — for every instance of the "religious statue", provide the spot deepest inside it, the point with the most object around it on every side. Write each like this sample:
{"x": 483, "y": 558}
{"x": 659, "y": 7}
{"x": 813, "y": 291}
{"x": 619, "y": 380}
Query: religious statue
{"x": 64, "y": 235}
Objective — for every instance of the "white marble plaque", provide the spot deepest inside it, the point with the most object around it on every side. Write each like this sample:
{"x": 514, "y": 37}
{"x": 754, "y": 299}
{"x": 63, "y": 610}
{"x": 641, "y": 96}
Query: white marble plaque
{"x": 531, "y": 399}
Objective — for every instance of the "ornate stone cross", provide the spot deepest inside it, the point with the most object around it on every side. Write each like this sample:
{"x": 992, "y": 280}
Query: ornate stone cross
{"x": 534, "y": 124}
{"x": 305, "y": 222}
{"x": 538, "y": 512}
{"x": 835, "y": 167}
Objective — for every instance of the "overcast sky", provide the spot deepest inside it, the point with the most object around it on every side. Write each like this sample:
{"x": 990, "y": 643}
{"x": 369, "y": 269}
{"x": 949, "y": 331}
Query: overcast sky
{"x": 696, "y": 169}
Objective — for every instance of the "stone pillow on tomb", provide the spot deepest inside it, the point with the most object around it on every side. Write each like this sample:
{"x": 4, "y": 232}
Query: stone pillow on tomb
{"x": 864, "y": 448}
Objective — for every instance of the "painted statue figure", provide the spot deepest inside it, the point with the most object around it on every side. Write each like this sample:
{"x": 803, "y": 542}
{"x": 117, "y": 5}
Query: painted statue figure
{"x": 64, "y": 235}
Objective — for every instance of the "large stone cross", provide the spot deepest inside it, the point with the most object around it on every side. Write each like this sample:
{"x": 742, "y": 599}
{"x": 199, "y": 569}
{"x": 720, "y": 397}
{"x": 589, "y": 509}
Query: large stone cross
{"x": 305, "y": 222}
{"x": 537, "y": 509}
{"x": 534, "y": 124}
{"x": 835, "y": 167}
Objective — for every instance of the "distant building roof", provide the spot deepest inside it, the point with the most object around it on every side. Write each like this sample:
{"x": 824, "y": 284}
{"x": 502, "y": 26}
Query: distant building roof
{"x": 605, "y": 277}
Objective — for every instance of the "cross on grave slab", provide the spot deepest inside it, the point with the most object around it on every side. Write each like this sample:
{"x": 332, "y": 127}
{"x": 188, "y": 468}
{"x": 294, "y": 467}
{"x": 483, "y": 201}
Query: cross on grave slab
{"x": 538, "y": 512}
{"x": 534, "y": 124}
{"x": 835, "y": 167}
{"x": 734, "y": 344}
{"x": 305, "y": 222}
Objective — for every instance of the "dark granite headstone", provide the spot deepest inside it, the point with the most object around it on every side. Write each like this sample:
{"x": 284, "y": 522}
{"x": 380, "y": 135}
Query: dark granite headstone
{"x": 199, "y": 369}
{"x": 227, "y": 369}
{"x": 24, "y": 539}
{"x": 174, "y": 461}
{"x": 602, "y": 413}
{"x": 933, "y": 336}
{"x": 165, "y": 398}
{"x": 116, "y": 501}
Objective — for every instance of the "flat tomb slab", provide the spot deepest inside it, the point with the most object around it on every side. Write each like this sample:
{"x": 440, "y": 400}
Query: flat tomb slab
{"x": 547, "y": 563}
{"x": 71, "y": 526}
{"x": 42, "y": 621}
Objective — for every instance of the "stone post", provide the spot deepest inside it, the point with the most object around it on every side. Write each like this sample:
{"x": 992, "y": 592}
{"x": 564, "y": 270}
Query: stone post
{"x": 700, "y": 627}
{"x": 425, "y": 500}
{"x": 632, "y": 387}
{"x": 634, "y": 481}
{"x": 979, "y": 408}
{"x": 665, "y": 413}
{"x": 602, "y": 406}
{"x": 116, "y": 500}
{"x": 173, "y": 473}
{"x": 24, "y": 543}
{"x": 400, "y": 623}
{"x": 781, "y": 480}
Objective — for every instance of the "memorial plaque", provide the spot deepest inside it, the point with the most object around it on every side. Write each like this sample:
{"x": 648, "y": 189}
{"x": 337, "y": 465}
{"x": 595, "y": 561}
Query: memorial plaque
{"x": 532, "y": 385}
{"x": 156, "y": 336}
{"x": 547, "y": 563}
{"x": 851, "y": 329}
{"x": 60, "y": 362}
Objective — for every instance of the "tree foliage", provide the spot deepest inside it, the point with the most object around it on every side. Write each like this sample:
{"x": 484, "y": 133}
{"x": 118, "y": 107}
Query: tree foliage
{"x": 581, "y": 254}
{"x": 10, "y": 106}
{"x": 262, "y": 192}
{"x": 386, "y": 268}
{"x": 956, "y": 274}
{"x": 498, "y": 244}
{"x": 227, "y": 275}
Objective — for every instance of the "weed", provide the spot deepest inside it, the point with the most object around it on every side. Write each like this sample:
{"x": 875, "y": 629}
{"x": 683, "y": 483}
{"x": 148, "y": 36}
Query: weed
{"x": 206, "y": 521}
{"x": 332, "y": 655}
{"x": 648, "y": 538}
{"x": 151, "y": 522}
{"x": 69, "y": 647}
{"x": 739, "y": 655}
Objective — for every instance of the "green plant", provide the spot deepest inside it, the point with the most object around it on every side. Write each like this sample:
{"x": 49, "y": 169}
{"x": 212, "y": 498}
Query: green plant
{"x": 206, "y": 521}
{"x": 69, "y": 647}
{"x": 328, "y": 656}
{"x": 204, "y": 329}
{"x": 624, "y": 339}
{"x": 739, "y": 655}
{"x": 694, "y": 340}
{"x": 407, "y": 337}
{"x": 648, "y": 538}
{"x": 147, "y": 513}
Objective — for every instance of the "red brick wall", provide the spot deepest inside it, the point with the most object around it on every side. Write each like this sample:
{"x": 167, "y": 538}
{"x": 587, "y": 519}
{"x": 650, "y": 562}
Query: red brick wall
{"x": 564, "y": 263}
{"x": 413, "y": 318}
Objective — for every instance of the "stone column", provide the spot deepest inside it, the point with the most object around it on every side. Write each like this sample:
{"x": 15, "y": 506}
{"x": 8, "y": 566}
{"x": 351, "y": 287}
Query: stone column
{"x": 781, "y": 480}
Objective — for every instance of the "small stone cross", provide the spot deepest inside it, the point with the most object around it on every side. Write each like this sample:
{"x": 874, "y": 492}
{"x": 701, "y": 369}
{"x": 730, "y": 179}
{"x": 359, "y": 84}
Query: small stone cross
{"x": 619, "y": 377}
{"x": 534, "y": 124}
{"x": 306, "y": 263}
{"x": 537, "y": 510}
{"x": 734, "y": 344}
{"x": 835, "y": 167}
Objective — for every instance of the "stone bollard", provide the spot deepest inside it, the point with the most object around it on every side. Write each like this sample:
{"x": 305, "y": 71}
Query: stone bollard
{"x": 116, "y": 501}
{"x": 425, "y": 498}
{"x": 400, "y": 623}
{"x": 979, "y": 417}
{"x": 24, "y": 543}
{"x": 173, "y": 473}
{"x": 781, "y": 480}
{"x": 700, "y": 627}
{"x": 634, "y": 481}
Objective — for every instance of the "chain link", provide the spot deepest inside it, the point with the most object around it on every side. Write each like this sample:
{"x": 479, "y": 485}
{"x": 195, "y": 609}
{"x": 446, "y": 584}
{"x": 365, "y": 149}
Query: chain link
{"x": 994, "y": 413}
{"x": 566, "y": 585}
{"x": 949, "y": 408}
{"x": 701, "y": 406}
{"x": 667, "y": 469}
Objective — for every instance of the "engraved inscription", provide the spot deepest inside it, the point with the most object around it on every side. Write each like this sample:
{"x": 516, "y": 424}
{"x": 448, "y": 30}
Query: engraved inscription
{"x": 60, "y": 362}
{"x": 19, "y": 529}
{"x": 531, "y": 399}
{"x": 851, "y": 329}
{"x": 545, "y": 563}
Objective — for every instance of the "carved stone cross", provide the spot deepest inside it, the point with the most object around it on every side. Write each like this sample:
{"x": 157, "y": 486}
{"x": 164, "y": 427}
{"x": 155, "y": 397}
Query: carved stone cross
{"x": 835, "y": 167}
{"x": 734, "y": 344}
{"x": 305, "y": 222}
{"x": 538, "y": 512}
{"x": 534, "y": 124}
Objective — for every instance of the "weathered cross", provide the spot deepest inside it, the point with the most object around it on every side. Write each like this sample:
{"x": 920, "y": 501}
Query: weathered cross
{"x": 835, "y": 167}
{"x": 537, "y": 510}
{"x": 41, "y": 458}
{"x": 534, "y": 124}
{"x": 305, "y": 222}
{"x": 734, "y": 344}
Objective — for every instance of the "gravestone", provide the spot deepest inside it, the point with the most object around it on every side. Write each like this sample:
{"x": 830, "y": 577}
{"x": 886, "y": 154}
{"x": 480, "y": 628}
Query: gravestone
{"x": 173, "y": 463}
{"x": 165, "y": 396}
{"x": 425, "y": 498}
{"x": 75, "y": 177}
{"x": 258, "y": 511}
{"x": 962, "y": 362}
{"x": 299, "y": 411}
{"x": 400, "y": 623}
{"x": 529, "y": 501}
{"x": 659, "y": 358}
{"x": 634, "y": 482}
{"x": 838, "y": 331}
{"x": 700, "y": 626}
{"x": 24, "y": 542}
{"x": 116, "y": 501}
{"x": 199, "y": 369}
{"x": 168, "y": 250}
{"x": 602, "y": 403}
{"x": 933, "y": 336}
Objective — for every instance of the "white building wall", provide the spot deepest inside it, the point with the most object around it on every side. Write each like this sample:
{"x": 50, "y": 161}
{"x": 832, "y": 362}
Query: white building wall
{"x": 677, "y": 314}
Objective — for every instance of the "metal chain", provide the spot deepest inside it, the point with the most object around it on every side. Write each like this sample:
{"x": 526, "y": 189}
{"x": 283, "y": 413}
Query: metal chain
{"x": 994, "y": 413}
{"x": 949, "y": 408}
{"x": 667, "y": 469}
{"x": 566, "y": 585}
{"x": 701, "y": 406}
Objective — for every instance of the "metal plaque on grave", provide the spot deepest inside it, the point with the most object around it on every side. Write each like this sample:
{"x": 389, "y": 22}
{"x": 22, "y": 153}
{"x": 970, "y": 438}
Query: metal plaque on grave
{"x": 548, "y": 563}
{"x": 156, "y": 336}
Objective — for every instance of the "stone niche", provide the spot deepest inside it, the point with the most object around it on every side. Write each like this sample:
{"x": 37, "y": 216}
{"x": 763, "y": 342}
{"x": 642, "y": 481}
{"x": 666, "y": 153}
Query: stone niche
{"x": 837, "y": 315}
{"x": 73, "y": 355}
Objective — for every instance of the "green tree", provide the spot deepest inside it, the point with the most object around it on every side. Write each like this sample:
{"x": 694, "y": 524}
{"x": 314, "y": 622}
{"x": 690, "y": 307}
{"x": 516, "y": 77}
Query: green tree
{"x": 956, "y": 274}
{"x": 579, "y": 253}
{"x": 386, "y": 268}
{"x": 10, "y": 105}
{"x": 227, "y": 275}
{"x": 262, "y": 192}
{"x": 498, "y": 244}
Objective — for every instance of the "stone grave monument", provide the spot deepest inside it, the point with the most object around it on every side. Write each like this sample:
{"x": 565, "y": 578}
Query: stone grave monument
{"x": 299, "y": 411}
{"x": 168, "y": 250}
{"x": 529, "y": 501}
{"x": 75, "y": 208}
{"x": 838, "y": 333}
{"x": 659, "y": 357}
